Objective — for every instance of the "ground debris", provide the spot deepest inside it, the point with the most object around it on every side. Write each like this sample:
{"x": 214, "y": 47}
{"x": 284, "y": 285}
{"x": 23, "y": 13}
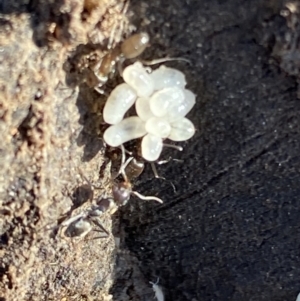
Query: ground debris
{"x": 40, "y": 124}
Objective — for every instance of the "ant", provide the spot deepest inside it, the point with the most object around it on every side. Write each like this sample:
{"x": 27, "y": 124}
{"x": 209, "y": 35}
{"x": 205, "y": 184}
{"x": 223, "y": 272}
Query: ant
{"x": 81, "y": 224}
{"x": 130, "y": 48}
{"x": 133, "y": 167}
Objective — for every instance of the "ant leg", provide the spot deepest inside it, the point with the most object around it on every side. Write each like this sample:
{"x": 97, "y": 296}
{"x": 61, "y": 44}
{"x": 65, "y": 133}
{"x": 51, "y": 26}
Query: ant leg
{"x": 124, "y": 163}
{"x": 153, "y": 167}
{"x": 164, "y": 161}
{"x": 179, "y": 148}
{"x": 100, "y": 91}
{"x": 163, "y": 60}
{"x": 98, "y": 223}
{"x": 123, "y": 167}
{"x": 154, "y": 170}
{"x": 168, "y": 160}
{"x": 123, "y": 154}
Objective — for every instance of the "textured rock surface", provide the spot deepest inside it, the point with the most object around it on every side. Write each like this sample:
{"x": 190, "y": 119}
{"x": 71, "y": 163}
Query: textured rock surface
{"x": 48, "y": 131}
{"x": 230, "y": 232}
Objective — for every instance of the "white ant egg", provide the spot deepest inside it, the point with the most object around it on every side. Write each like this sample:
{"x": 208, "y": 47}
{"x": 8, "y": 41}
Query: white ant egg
{"x": 161, "y": 100}
{"x": 165, "y": 77}
{"x": 182, "y": 129}
{"x": 137, "y": 77}
{"x": 151, "y": 147}
{"x": 142, "y": 107}
{"x": 180, "y": 108}
{"x": 128, "y": 129}
{"x": 158, "y": 127}
{"x": 118, "y": 103}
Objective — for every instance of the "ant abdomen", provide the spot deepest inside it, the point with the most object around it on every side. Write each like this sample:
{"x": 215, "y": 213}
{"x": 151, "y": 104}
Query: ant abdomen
{"x": 104, "y": 205}
{"x": 135, "y": 45}
{"x": 134, "y": 168}
{"x": 78, "y": 228}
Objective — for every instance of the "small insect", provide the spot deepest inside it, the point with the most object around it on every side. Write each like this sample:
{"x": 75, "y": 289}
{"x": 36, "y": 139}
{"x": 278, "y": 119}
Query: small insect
{"x": 80, "y": 225}
{"x": 130, "y": 48}
{"x": 159, "y": 295}
{"x": 123, "y": 190}
{"x": 135, "y": 164}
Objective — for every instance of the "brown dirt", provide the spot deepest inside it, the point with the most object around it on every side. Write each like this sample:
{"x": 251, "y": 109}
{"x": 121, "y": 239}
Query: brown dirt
{"x": 48, "y": 132}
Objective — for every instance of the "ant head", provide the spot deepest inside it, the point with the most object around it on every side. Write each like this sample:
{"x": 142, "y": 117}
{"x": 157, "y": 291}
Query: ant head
{"x": 121, "y": 193}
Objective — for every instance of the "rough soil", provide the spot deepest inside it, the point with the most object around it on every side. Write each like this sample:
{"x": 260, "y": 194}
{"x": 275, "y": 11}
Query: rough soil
{"x": 231, "y": 229}
{"x": 49, "y": 130}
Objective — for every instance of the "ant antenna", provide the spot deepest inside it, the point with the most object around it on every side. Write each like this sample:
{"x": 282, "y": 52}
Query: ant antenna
{"x": 166, "y": 59}
{"x": 147, "y": 198}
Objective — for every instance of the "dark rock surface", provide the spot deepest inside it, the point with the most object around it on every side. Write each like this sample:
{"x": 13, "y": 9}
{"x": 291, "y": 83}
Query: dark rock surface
{"x": 231, "y": 231}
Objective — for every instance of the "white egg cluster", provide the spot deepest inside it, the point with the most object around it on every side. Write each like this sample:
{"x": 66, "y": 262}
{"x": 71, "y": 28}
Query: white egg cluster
{"x": 161, "y": 103}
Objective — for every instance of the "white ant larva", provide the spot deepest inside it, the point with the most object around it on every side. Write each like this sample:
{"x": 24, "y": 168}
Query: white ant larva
{"x": 139, "y": 79}
{"x": 118, "y": 103}
{"x": 298, "y": 298}
{"x": 158, "y": 126}
{"x": 165, "y": 77}
{"x": 159, "y": 295}
{"x": 151, "y": 147}
{"x": 128, "y": 129}
{"x": 161, "y": 100}
{"x": 181, "y": 130}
